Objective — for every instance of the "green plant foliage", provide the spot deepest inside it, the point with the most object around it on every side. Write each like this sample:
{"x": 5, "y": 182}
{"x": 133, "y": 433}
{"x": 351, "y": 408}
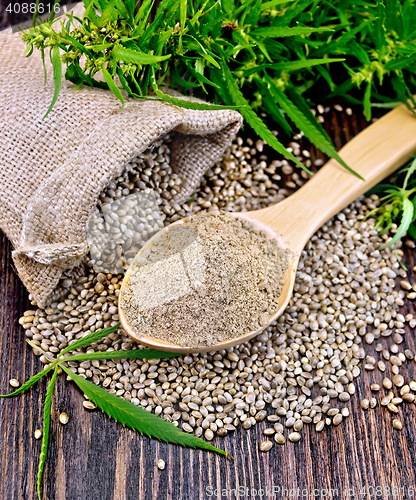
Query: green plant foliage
{"x": 45, "y": 434}
{"x": 187, "y": 45}
{"x": 120, "y": 410}
{"x": 57, "y": 76}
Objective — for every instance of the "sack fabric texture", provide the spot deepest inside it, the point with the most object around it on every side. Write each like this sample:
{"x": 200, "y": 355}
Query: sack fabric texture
{"x": 53, "y": 170}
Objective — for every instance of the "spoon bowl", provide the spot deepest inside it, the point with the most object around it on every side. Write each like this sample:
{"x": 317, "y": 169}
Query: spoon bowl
{"x": 375, "y": 153}
{"x": 163, "y": 345}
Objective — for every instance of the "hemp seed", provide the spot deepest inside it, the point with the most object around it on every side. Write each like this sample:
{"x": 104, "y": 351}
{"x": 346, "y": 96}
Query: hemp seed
{"x": 63, "y": 418}
{"x": 365, "y": 403}
{"x": 397, "y": 424}
{"x": 294, "y": 437}
{"x": 279, "y": 438}
{"x": 266, "y": 446}
{"x": 89, "y": 405}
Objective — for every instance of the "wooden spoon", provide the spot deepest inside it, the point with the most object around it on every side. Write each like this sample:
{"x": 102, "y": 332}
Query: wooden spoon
{"x": 374, "y": 153}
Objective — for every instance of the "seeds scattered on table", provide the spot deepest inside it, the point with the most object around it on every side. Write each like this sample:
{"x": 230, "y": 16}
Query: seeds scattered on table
{"x": 365, "y": 403}
{"x": 63, "y": 418}
{"x": 298, "y": 425}
{"x": 385, "y": 401}
{"x": 404, "y": 390}
{"x": 406, "y": 285}
{"x": 387, "y": 383}
{"x": 408, "y": 397}
{"x": 381, "y": 366}
{"x": 279, "y": 438}
{"x": 161, "y": 464}
{"x": 14, "y": 382}
{"x": 319, "y": 426}
{"x": 38, "y": 434}
{"x": 392, "y": 408}
{"x": 278, "y": 427}
{"x": 209, "y": 435}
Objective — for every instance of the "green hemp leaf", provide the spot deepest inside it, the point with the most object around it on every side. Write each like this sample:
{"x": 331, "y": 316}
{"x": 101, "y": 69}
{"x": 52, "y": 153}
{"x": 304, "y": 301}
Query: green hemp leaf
{"x": 122, "y": 411}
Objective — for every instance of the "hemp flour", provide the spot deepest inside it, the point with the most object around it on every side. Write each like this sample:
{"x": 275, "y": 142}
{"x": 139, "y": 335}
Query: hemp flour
{"x": 210, "y": 279}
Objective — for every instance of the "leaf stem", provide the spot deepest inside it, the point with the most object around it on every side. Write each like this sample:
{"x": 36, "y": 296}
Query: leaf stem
{"x": 45, "y": 437}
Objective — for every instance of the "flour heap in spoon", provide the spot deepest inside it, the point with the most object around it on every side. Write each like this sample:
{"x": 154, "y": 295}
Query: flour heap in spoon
{"x": 210, "y": 279}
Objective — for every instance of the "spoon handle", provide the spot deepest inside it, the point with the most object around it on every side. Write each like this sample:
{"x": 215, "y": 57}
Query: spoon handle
{"x": 374, "y": 153}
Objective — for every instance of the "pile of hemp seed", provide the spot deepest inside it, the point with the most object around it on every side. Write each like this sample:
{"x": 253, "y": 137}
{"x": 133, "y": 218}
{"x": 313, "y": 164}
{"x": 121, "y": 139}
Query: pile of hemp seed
{"x": 301, "y": 370}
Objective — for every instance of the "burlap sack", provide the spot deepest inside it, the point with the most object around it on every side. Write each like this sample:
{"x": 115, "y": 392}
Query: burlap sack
{"x": 52, "y": 171}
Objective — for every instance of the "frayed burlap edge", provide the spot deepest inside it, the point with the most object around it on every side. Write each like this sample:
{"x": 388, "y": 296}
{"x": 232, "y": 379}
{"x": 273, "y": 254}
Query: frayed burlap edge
{"x": 47, "y": 225}
{"x": 39, "y": 262}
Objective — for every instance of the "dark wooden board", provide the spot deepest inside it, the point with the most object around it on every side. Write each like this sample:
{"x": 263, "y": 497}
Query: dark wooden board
{"x": 94, "y": 458}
